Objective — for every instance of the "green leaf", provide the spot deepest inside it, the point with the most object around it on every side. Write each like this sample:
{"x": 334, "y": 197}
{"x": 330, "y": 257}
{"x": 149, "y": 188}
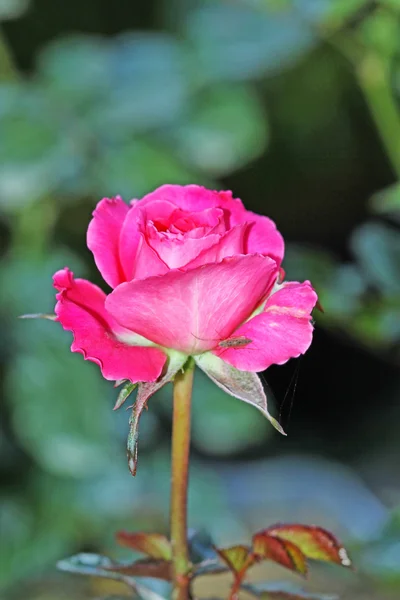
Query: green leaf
{"x": 75, "y": 69}
{"x": 201, "y": 547}
{"x": 215, "y": 435}
{"x": 243, "y": 42}
{"x": 12, "y": 9}
{"x": 56, "y": 389}
{"x": 241, "y": 384}
{"x": 380, "y": 32}
{"x": 341, "y": 11}
{"x": 135, "y": 168}
{"x": 124, "y": 394}
{"x": 377, "y": 248}
{"x": 225, "y": 130}
{"x": 155, "y": 545}
{"x": 37, "y": 155}
{"x": 387, "y": 201}
{"x": 148, "y": 85}
{"x": 238, "y": 558}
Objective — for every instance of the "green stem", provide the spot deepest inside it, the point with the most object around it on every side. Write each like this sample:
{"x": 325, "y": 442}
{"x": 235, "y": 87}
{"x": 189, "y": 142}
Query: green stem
{"x": 179, "y": 481}
{"x": 374, "y": 80}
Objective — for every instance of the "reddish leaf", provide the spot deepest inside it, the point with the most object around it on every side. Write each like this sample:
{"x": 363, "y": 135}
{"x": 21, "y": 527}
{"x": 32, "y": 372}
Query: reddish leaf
{"x": 313, "y": 541}
{"x": 282, "y": 591}
{"x": 280, "y": 551}
{"x": 155, "y": 545}
{"x": 159, "y": 569}
{"x": 238, "y": 558}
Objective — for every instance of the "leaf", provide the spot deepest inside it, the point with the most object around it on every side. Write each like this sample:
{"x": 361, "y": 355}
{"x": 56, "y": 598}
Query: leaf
{"x": 149, "y": 83}
{"x": 12, "y": 9}
{"x": 208, "y": 567}
{"x": 155, "y": 545}
{"x": 315, "y": 542}
{"x": 377, "y": 247}
{"x": 240, "y": 384}
{"x": 157, "y": 569}
{"x": 58, "y": 384}
{"x": 124, "y": 394}
{"x": 145, "y": 390}
{"x": 387, "y": 201}
{"x": 238, "y": 558}
{"x": 214, "y": 436}
{"x": 135, "y": 168}
{"x": 281, "y": 551}
{"x": 75, "y": 69}
{"x": 243, "y": 43}
{"x": 95, "y": 565}
{"x": 201, "y": 547}
{"x": 225, "y": 130}
{"x": 283, "y": 591}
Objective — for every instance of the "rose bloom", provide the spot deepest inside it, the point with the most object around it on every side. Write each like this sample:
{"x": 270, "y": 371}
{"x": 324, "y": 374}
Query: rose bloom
{"x": 193, "y": 273}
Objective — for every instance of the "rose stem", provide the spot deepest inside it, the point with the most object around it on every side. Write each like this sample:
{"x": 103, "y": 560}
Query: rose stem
{"x": 183, "y": 384}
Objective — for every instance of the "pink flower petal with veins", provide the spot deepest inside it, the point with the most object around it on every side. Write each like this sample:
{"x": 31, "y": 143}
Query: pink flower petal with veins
{"x": 189, "y": 311}
{"x": 192, "y": 198}
{"x": 263, "y": 236}
{"x": 282, "y": 331}
{"x": 80, "y": 309}
{"x": 103, "y": 238}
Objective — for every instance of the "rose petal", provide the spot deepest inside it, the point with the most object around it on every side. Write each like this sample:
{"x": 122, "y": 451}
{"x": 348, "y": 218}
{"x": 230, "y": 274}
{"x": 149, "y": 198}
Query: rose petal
{"x": 189, "y": 311}
{"x": 231, "y": 244}
{"x": 191, "y": 197}
{"x": 103, "y": 238}
{"x": 210, "y": 220}
{"x": 133, "y": 228}
{"x": 176, "y": 252}
{"x": 147, "y": 263}
{"x": 281, "y": 332}
{"x": 80, "y": 309}
{"x": 263, "y": 236}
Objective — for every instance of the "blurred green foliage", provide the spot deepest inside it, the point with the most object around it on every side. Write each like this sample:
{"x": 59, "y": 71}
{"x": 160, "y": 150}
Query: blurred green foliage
{"x": 224, "y": 88}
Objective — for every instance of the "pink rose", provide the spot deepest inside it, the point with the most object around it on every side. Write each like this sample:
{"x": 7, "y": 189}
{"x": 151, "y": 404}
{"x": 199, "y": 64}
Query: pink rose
{"x": 193, "y": 273}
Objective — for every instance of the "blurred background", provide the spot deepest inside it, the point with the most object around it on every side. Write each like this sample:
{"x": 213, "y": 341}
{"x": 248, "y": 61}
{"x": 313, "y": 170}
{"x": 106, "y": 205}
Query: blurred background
{"x": 295, "y": 106}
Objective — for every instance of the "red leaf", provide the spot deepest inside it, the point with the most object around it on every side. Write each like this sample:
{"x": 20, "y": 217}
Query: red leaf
{"x": 155, "y": 545}
{"x": 158, "y": 569}
{"x": 238, "y": 558}
{"x": 281, "y": 551}
{"x": 313, "y": 541}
